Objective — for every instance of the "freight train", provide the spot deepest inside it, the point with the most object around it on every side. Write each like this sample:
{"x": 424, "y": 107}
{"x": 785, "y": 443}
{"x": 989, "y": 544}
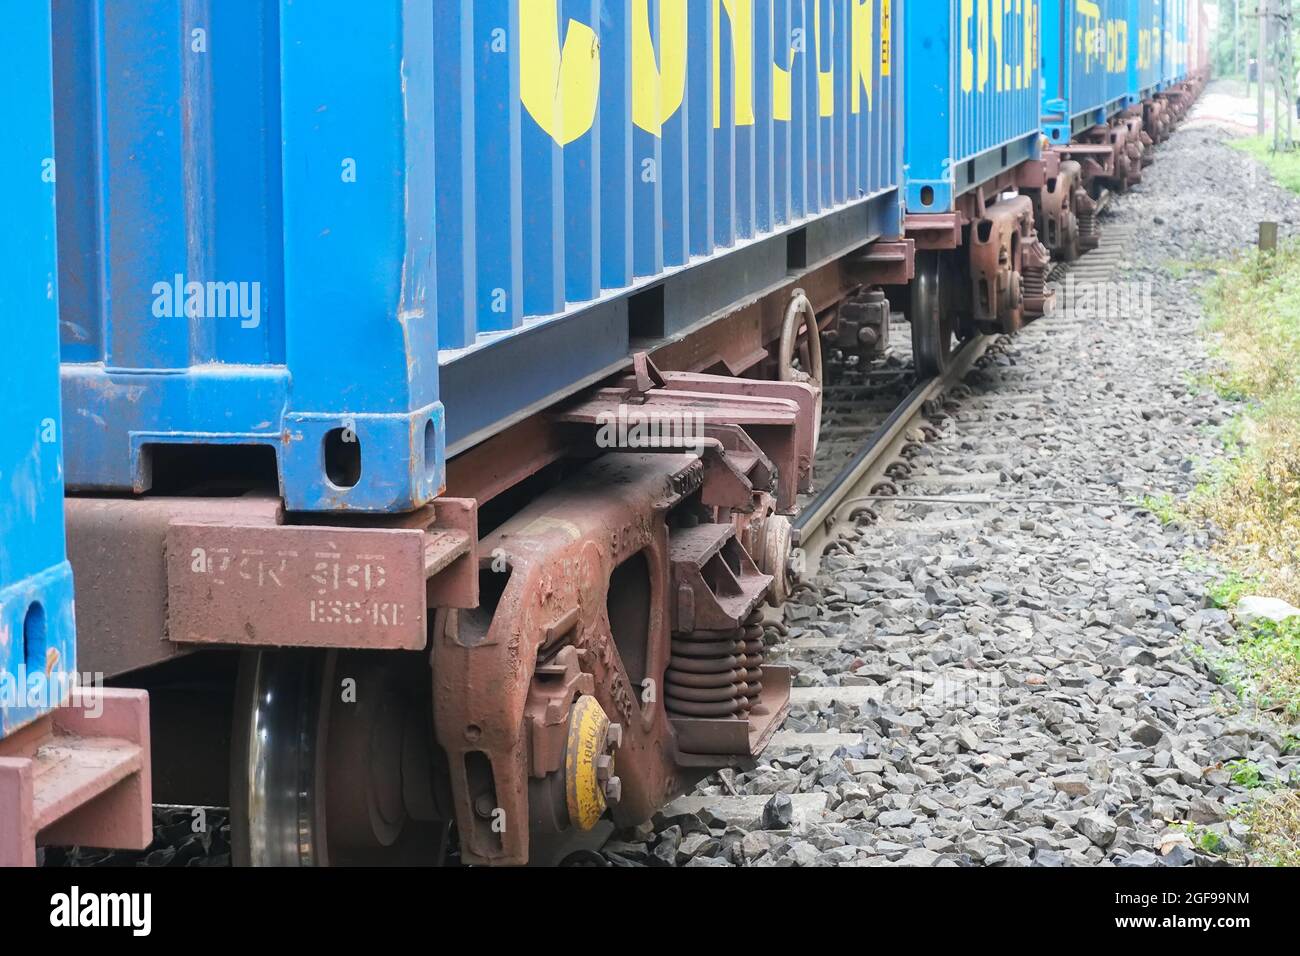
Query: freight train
{"x": 438, "y": 381}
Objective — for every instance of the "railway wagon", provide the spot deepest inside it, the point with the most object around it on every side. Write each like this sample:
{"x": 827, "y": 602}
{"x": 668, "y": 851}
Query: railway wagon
{"x": 1198, "y": 46}
{"x": 73, "y": 760}
{"x": 1085, "y": 71}
{"x": 681, "y": 170}
{"x": 971, "y": 134}
{"x": 440, "y": 379}
{"x": 1183, "y": 71}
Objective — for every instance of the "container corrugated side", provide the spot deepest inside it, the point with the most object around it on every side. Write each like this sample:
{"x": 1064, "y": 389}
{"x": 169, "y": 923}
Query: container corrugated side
{"x": 1086, "y": 45}
{"x": 612, "y": 174}
{"x": 972, "y": 95}
{"x": 1174, "y": 58}
{"x": 37, "y": 639}
{"x": 1146, "y": 36}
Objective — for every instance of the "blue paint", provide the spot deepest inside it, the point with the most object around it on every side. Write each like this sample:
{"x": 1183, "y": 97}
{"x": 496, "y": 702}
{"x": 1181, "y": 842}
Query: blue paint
{"x": 1145, "y": 44}
{"x": 288, "y": 150}
{"x": 959, "y": 119}
{"x": 37, "y": 636}
{"x": 1173, "y": 63}
{"x": 1088, "y": 78}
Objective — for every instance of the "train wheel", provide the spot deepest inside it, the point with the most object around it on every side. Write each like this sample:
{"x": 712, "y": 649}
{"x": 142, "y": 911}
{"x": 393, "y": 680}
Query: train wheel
{"x": 807, "y": 348}
{"x": 1070, "y": 248}
{"x": 325, "y": 748}
{"x": 934, "y": 325}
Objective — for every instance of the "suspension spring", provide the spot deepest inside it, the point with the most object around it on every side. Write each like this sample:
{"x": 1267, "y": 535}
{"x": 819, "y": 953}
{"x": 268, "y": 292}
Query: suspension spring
{"x": 716, "y": 673}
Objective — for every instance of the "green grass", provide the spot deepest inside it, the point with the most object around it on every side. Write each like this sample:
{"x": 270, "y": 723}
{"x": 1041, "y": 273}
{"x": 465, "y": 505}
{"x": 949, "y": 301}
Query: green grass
{"x": 1262, "y": 667}
{"x": 1285, "y": 166}
{"x": 1231, "y": 589}
{"x": 1274, "y": 821}
{"x": 1163, "y": 506}
{"x": 1253, "y": 493}
{"x": 1244, "y": 774}
{"x": 1181, "y": 268}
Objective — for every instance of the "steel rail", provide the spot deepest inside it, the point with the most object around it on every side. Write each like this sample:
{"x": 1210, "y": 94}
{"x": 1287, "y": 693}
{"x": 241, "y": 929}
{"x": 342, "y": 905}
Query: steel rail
{"x": 812, "y": 520}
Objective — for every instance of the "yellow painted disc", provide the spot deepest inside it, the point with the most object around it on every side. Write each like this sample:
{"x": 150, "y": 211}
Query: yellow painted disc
{"x": 588, "y": 725}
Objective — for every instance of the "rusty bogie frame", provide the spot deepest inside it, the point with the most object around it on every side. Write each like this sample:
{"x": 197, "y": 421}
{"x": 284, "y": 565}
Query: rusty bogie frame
{"x": 78, "y": 775}
{"x": 1007, "y": 266}
{"x": 635, "y": 583}
{"x": 589, "y": 590}
{"x": 1064, "y": 213}
{"x": 598, "y": 650}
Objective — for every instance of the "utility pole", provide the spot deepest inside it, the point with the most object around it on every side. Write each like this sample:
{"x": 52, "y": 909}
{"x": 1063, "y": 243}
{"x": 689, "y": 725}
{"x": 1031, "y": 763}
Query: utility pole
{"x": 1277, "y": 77}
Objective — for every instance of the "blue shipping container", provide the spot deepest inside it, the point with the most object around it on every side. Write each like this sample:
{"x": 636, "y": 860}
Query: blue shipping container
{"x": 972, "y": 96}
{"x": 245, "y": 241}
{"x": 1085, "y": 66}
{"x": 1146, "y": 41}
{"x": 1174, "y": 60}
{"x": 256, "y": 249}
{"x": 37, "y": 641}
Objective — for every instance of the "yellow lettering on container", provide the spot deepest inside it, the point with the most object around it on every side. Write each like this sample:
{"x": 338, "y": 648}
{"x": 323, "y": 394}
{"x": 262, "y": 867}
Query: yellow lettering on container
{"x": 1027, "y": 51}
{"x": 741, "y": 15}
{"x": 967, "y": 55}
{"x": 886, "y": 37}
{"x": 863, "y": 26}
{"x": 825, "y": 78}
{"x": 983, "y": 28}
{"x": 658, "y": 89}
{"x": 1087, "y": 40}
{"x": 781, "y": 90}
{"x": 997, "y": 44}
{"x": 559, "y": 88}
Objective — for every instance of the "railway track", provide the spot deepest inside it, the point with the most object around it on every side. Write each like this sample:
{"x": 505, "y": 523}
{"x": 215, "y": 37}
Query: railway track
{"x": 868, "y": 433}
{"x": 851, "y": 511}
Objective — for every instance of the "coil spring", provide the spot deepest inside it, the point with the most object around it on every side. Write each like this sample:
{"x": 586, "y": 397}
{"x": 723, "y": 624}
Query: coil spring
{"x": 716, "y": 673}
{"x": 1033, "y": 282}
{"x": 1089, "y": 236}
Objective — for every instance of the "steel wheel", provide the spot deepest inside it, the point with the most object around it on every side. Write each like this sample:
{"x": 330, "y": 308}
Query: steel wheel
{"x": 934, "y": 325}
{"x": 315, "y": 781}
{"x": 801, "y": 316}
{"x": 1070, "y": 251}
